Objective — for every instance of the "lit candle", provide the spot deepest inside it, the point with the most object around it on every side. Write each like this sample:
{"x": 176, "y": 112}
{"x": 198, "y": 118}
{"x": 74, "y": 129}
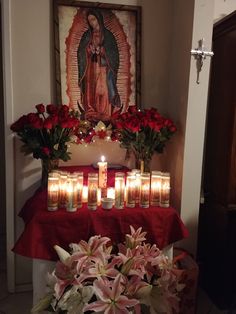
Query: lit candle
{"x": 111, "y": 193}
{"x": 80, "y": 180}
{"x": 62, "y": 189}
{"x": 165, "y": 189}
{"x": 92, "y": 190}
{"x": 53, "y": 192}
{"x": 145, "y": 190}
{"x": 130, "y": 189}
{"x": 102, "y": 177}
{"x": 155, "y": 188}
{"x": 137, "y": 184}
{"x": 71, "y": 195}
{"x": 119, "y": 190}
{"x": 99, "y": 196}
{"x": 85, "y": 194}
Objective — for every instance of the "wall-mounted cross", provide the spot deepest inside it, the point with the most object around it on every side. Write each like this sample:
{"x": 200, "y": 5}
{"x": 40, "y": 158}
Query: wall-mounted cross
{"x": 200, "y": 55}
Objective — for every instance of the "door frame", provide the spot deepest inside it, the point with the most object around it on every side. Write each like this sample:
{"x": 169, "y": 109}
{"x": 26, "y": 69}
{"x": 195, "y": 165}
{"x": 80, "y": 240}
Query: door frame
{"x": 9, "y": 150}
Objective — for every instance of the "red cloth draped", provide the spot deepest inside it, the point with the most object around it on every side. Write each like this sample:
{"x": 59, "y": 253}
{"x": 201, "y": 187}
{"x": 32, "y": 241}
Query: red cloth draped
{"x": 44, "y": 229}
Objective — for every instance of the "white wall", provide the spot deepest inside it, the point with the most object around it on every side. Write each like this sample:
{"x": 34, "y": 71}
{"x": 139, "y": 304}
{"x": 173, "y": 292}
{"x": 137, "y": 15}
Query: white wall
{"x": 223, "y": 8}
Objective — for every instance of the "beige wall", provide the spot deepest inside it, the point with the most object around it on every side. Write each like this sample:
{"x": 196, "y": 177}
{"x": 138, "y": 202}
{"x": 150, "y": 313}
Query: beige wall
{"x": 223, "y": 8}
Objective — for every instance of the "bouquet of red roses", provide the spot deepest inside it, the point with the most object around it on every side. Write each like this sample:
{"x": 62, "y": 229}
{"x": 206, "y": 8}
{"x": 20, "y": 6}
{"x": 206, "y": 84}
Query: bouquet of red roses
{"x": 45, "y": 133}
{"x": 143, "y": 132}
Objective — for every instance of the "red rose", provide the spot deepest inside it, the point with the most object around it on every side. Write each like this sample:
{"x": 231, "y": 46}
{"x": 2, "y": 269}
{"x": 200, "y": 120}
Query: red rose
{"x": 38, "y": 124}
{"x": 173, "y": 128}
{"x": 45, "y": 150}
{"x": 64, "y": 124}
{"x": 47, "y": 124}
{"x": 132, "y": 109}
{"x": 133, "y": 125}
{"x": 35, "y": 121}
{"x": 52, "y": 109}
{"x": 19, "y": 124}
{"x": 101, "y": 134}
{"x": 54, "y": 119}
{"x": 64, "y": 108}
{"x": 40, "y": 108}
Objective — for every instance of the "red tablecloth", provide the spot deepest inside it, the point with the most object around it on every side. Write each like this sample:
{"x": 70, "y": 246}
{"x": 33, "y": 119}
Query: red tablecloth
{"x": 44, "y": 229}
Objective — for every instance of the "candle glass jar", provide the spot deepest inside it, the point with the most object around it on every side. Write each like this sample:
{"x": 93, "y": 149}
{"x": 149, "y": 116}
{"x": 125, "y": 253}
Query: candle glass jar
{"x": 102, "y": 177}
{"x": 119, "y": 190}
{"x": 63, "y": 189}
{"x": 71, "y": 195}
{"x": 137, "y": 185}
{"x": 130, "y": 189}
{"x": 155, "y": 196}
{"x": 145, "y": 190}
{"x": 80, "y": 182}
{"x": 165, "y": 190}
{"x": 92, "y": 190}
{"x": 53, "y": 192}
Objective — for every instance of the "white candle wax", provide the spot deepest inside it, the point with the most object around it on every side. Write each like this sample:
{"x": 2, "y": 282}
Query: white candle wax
{"x": 102, "y": 173}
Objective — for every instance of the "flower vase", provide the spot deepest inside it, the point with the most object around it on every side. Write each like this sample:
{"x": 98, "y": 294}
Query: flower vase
{"x": 143, "y": 164}
{"x": 47, "y": 166}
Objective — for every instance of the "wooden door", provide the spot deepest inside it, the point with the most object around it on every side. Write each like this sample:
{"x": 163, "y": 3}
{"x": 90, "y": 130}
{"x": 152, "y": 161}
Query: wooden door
{"x": 220, "y": 156}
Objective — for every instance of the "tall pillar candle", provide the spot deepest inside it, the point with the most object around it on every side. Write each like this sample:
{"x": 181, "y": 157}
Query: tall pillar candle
{"x": 71, "y": 195}
{"x": 130, "y": 189}
{"x": 53, "y": 192}
{"x": 165, "y": 189}
{"x": 92, "y": 190}
{"x": 145, "y": 190}
{"x": 155, "y": 188}
{"x": 102, "y": 176}
{"x": 119, "y": 190}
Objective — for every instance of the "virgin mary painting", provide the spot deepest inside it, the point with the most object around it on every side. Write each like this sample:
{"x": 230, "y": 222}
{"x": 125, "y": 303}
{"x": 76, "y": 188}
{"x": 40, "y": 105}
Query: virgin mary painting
{"x": 98, "y": 64}
{"x": 98, "y": 68}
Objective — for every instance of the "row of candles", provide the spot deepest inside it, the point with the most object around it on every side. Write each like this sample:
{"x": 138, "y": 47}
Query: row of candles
{"x": 66, "y": 190}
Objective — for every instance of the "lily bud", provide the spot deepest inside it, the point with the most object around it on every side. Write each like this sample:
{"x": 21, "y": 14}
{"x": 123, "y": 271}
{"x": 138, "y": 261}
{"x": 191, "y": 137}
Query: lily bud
{"x": 63, "y": 254}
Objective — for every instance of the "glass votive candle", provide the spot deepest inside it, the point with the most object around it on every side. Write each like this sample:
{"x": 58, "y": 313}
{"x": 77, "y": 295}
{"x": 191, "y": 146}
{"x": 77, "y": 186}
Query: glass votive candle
{"x": 145, "y": 190}
{"x": 155, "y": 196}
{"x": 137, "y": 185}
{"x": 165, "y": 189}
{"x": 119, "y": 190}
{"x": 53, "y": 192}
{"x": 130, "y": 189}
{"x": 71, "y": 193}
{"x": 80, "y": 182}
{"x": 63, "y": 189}
{"x": 85, "y": 194}
{"x": 92, "y": 190}
{"x": 99, "y": 196}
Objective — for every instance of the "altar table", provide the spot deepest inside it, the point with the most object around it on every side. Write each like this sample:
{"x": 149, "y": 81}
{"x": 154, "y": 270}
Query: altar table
{"x": 44, "y": 229}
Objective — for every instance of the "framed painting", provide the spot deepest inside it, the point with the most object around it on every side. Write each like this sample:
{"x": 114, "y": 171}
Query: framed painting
{"x": 97, "y": 57}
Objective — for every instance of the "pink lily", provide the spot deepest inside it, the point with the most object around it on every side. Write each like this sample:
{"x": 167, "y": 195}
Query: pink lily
{"x": 135, "y": 238}
{"x": 111, "y": 299}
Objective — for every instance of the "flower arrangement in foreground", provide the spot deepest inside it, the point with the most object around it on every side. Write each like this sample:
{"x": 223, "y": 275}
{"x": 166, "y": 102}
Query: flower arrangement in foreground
{"x": 97, "y": 278}
{"x": 143, "y": 132}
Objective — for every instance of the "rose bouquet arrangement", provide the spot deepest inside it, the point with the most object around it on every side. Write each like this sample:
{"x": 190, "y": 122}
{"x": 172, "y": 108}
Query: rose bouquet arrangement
{"x": 45, "y": 134}
{"x": 96, "y": 278}
{"x": 143, "y": 132}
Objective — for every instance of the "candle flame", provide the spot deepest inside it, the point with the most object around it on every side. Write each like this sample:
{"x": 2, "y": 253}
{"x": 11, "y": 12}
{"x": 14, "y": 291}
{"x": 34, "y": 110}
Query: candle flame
{"x": 103, "y": 158}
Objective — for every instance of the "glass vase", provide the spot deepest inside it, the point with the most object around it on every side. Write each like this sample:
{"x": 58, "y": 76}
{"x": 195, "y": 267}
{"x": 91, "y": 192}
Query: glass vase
{"x": 48, "y": 165}
{"x": 144, "y": 165}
